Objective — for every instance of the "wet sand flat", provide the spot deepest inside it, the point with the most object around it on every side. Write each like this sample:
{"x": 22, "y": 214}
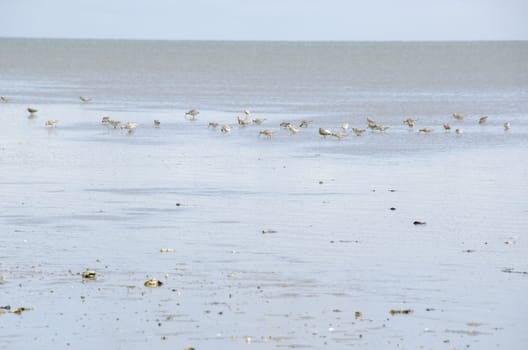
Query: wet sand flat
{"x": 291, "y": 242}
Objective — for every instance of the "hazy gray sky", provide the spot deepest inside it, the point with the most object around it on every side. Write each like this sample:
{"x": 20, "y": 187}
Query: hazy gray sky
{"x": 267, "y": 19}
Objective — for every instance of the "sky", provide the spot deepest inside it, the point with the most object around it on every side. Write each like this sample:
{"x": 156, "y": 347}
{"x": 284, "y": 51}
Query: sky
{"x": 267, "y": 19}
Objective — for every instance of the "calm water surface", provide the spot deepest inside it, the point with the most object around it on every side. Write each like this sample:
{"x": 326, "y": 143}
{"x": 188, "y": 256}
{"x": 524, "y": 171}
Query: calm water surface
{"x": 82, "y": 195}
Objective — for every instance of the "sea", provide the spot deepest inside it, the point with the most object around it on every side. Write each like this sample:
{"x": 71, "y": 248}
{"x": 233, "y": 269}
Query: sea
{"x": 297, "y": 78}
{"x": 412, "y": 237}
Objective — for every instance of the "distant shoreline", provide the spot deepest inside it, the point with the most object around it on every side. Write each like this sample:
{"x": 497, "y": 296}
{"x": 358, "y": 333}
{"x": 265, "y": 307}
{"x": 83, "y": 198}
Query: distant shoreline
{"x": 266, "y": 40}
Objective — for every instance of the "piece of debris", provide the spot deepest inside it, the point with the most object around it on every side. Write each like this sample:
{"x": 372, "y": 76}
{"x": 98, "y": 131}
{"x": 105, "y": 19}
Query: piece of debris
{"x": 401, "y": 311}
{"x": 512, "y": 270}
{"x": 167, "y": 250}
{"x": 89, "y": 274}
{"x": 153, "y": 283}
{"x": 19, "y": 310}
{"x": 265, "y": 232}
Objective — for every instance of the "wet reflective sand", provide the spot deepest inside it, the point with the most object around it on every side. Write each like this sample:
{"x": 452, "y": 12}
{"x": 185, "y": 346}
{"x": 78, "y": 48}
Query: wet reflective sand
{"x": 278, "y": 242}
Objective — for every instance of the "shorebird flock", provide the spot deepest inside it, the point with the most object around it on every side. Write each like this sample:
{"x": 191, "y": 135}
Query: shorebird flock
{"x": 291, "y": 127}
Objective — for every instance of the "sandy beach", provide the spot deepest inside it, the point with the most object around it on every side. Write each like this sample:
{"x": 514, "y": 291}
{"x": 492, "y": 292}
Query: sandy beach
{"x": 293, "y": 241}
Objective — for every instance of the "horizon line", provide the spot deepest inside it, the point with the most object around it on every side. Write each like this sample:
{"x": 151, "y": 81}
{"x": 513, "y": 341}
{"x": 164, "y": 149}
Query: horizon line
{"x": 274, "y": 40}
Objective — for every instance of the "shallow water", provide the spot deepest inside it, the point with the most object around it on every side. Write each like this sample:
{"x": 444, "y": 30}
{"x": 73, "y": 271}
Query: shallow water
{"x": 82, "y": 195}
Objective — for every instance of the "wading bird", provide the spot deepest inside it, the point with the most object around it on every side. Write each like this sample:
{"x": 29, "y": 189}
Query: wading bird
{"x": 52, "y": 123}
{"x": 193, "y": 113}
{"x": 267, "y": 132}
{"x": 458, "y": 116}
{"x": 225, "y": 128}
{"x": 324, "y": 132}
{"x": 358, "y": 131}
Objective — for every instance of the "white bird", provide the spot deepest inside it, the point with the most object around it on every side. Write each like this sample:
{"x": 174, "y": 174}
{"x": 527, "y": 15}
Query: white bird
{"x": 225, "y": 128}
{"x": 157, "y": 123}
{"x": 213, "y": 125}
{"x": 381, "y": 128}
{"x": 52, "y": 123}
{"x": 447, "y": 127}
{"x": 243, "y": 122}
{"x": 292, "y": 129}
{"x": 105, "y": 120}
{"x": 267, "y": 132}
{"x": 284, "y": 124}
{"x": 459, "y": 131}
{"x": 506, "y": 126}
{"x": 114, "y": 123}
{"x": 130, "y": 126}
{"x": 358, "y": 131}
{"x": 4, "y": 98}
{"x": 247, "y": 112}
{"x": 426, "y": 130}
{"x": 324, "y": 132}
{"x": 345, "y": 126}
{"x": 339, "y": 134}
{"x": 85, "y": 99}
{"x": 458, "y": 116}
{"x": 259, "y": 121}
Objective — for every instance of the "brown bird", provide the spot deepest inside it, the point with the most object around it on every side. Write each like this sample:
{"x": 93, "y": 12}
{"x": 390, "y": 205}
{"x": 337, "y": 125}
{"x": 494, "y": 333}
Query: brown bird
{"x": 193, "y": 113}
{"x": 410, "y": 122}
{"x": 483, "y": 120}
{"x": 305, "y": 123}
{"x": 32, "y": 110}
{"x": 157, "y": 123}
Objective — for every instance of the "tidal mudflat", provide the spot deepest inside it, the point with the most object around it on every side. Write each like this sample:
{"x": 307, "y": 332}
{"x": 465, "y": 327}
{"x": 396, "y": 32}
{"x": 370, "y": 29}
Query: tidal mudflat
{"x": 288, "y": 241}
